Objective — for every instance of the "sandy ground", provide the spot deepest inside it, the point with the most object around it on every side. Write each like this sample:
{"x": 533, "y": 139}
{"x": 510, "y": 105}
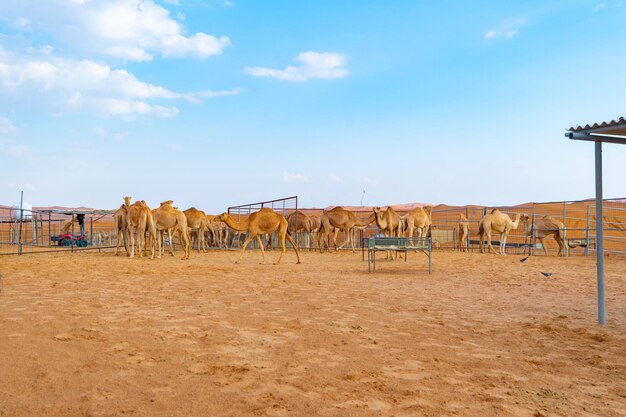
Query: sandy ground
{"x": 91, "y": 334}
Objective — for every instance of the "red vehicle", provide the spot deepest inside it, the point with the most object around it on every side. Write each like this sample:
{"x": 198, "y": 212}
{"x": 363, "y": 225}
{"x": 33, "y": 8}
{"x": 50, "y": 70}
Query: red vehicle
{"x": 67, "y": 239}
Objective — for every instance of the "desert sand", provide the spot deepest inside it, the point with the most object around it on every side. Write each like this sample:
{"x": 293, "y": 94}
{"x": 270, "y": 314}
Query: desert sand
{"x": 91, "y": 334}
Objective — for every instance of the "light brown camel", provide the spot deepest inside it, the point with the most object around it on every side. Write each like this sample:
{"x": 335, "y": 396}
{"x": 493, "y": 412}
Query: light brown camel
{"x": 388, "y": 221}
{"x": 139, "y": 220}
{"x": 120, "y": 228}
{"x": 337, "y": 218}
{"x": 549, "y": 226}
{"x": 259, "y": 223}
{"x": 171, "y": 220}
{"x": 498, "y": 222}
{"x": 462, "y": 232}
{"x": 316, "y": 224}
{"x": 418, "y": 219}
{"x": 197, "y": 220}
{"x": 300, "y": 222}
{"x": 219, "y": 231}
{"x": 67, "y": 226}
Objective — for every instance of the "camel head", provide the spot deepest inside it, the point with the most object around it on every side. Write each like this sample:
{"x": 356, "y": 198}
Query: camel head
{"x": 127, "y": 201}
{"x": 221, "y": 217}
{"x": 524, "y": 218}
{"x": 377, "y": 210}
{"x": 167, "y": 203}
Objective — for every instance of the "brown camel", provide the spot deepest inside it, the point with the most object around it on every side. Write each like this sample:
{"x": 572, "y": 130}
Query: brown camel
{"x": 316, "y": 224}
{"x": 259, "y": 223}
{"x": 418, "y": 219}
{"x": 501, "y": 223}
{"x": 299, "y": 222}
{"x": 337, "y": 218}
{"x": 462, "y": 232}
{"x": 549, "y": 226}
{"x": 171, "y": 220}
{"x": 219, "y": 231}
{"x": 197, "y": 220}
{"x": 388, "y": 221}
{"x": 139, "y": 220}
{"x": 120, "y": 228}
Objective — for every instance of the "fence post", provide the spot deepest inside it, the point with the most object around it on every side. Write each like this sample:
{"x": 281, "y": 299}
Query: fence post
{"x": 19, "y": 230}
{"x": 531, "y": 249}
{"x": 587, "y": 232}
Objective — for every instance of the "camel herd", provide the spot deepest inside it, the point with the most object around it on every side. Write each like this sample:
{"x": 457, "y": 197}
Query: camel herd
{"x": 142, "y": 229}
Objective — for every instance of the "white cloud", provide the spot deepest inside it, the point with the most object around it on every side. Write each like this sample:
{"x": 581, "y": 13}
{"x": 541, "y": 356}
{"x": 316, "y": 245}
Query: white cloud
{"x": 132, "y": 30}
{"x": 6, "y": 127}
{"x": 507, "y": 30}
{"x": 294, "y": 177}
{"x": 312, "y": 65}
{"x": 85, "y": 84}
{"x": 599, "y": 7}
{"x": 334, "y": 179}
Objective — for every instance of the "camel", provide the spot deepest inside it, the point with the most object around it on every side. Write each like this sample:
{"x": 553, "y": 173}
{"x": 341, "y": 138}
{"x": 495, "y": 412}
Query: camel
{"x": 219, "y": 230}
{"x": 67, "y": 226}
{"x": 549, "y": 226}
{"x": 462, "y": 232}
{"x": 337, "y": 218}
{"x": 139, "y": 220}
{"x": 170, "y": 219}
{"x": 197, "y": 220}
{"x": 316, "y": 224}
{"x": 299, "y": 222}
{"x": 259, "y": 223}
{"x": 418, "y": 219}
{"x": 388, "y": 222}
{"x": 120, "y": 228}
{"x": 501, "y": 223}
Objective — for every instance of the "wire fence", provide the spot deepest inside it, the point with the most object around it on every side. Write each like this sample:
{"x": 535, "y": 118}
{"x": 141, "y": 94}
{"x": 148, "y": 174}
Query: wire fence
{"x": 37, "y": 231}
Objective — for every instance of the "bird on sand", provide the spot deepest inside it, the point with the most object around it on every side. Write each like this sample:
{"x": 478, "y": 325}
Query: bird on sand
{"x": 547, "y": 274}
{"x": 524, "y": 259}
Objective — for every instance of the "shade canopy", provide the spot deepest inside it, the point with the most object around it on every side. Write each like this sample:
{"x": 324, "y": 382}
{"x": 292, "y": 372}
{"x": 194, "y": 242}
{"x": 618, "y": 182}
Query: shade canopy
{"x": 609, "y": 132}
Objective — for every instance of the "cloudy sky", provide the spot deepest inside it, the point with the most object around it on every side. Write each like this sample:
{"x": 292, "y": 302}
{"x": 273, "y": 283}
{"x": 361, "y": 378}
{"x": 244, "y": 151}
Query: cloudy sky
{"x": 218, "y": 102}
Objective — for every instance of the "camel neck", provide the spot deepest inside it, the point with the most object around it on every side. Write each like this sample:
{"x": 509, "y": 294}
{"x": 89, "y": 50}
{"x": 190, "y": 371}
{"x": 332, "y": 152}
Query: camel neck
{"x": 237, "y": 225}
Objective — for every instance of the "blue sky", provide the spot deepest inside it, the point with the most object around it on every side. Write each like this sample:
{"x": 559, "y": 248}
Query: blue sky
{"x": 215, "y": 103}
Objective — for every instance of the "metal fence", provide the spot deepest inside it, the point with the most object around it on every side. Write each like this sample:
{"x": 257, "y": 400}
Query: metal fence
{"x": 578, "y": 217}
{"x": 283, "y": 206}
{"x": 36, "y": 231}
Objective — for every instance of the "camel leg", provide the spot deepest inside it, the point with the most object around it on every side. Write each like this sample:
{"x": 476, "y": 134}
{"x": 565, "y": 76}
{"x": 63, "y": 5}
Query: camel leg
{"x": 295, "y": 247}
{"x": 131, "y": 254}
{"x": 159, "y": 240}
{"x": 245, "y": 244}
{"x": 489, "y": 244}
{"x": 258, "y": 239}
{"x": 543, "y": 245}
{"x": 283, "y": 249}
{"x": 503, "y": 237}
{"x": 117, "y": 244}
{"x": 183, "y": 235}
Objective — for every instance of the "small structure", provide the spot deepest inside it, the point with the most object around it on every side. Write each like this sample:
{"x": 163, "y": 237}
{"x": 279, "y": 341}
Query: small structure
{"x": 610, "y": 132}
{"x": 398, "y": 244}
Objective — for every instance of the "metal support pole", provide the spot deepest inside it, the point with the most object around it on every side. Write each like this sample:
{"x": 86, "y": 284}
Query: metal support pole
{"x": 587, "y": 232}
{"x": 19, "y": 232}
{"x": 600, "y": 234}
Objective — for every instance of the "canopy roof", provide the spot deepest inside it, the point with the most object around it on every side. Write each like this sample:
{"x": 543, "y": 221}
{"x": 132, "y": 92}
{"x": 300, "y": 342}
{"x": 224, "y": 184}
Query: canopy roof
{"x": 612, "y": 132}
